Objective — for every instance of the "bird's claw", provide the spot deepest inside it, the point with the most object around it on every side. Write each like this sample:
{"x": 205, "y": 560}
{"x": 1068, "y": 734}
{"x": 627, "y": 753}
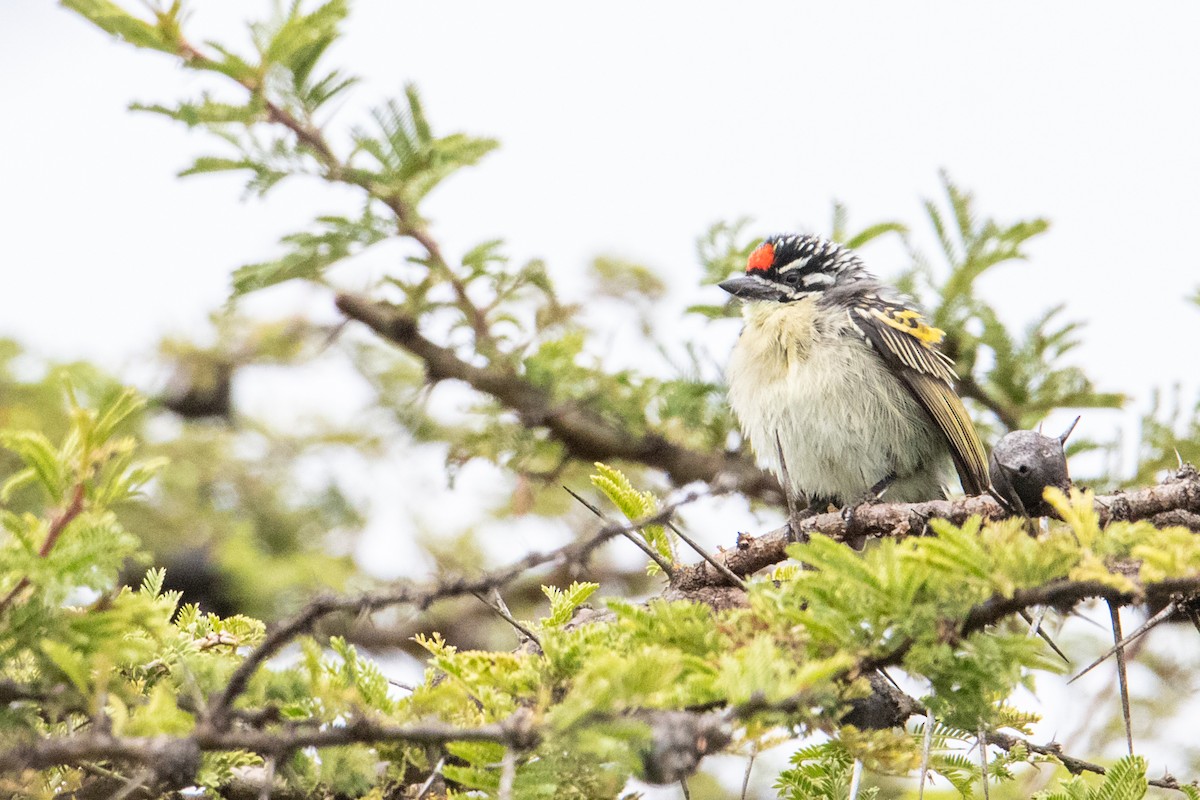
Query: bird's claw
{"x": 796, "y": 518}
{"x": 853, "y": 536}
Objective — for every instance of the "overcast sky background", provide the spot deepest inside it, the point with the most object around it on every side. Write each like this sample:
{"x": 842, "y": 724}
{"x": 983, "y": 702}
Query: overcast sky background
{"x": 628, "y": 128}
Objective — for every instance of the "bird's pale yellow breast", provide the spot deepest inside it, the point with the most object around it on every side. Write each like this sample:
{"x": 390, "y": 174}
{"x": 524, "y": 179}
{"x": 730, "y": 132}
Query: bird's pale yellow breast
{"x": 776, "y": 335}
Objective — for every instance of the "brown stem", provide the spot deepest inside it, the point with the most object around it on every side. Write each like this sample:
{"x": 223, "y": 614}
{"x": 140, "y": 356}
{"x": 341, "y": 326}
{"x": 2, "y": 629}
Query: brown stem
{"x": 1074, "y": 765}
{"x": 1181, "y": 492}
{"x": 585, "y": 434}
{"x": 407, "y": 593}
{"x": 57, "y": 526}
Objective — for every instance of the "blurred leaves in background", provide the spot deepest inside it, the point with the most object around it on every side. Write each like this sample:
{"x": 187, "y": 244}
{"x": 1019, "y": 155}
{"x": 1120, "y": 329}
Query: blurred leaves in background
{"x": 250, "y": 516}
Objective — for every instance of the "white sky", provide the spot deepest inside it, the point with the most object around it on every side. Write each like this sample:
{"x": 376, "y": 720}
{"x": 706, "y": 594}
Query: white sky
{"x": 630, "y": 127}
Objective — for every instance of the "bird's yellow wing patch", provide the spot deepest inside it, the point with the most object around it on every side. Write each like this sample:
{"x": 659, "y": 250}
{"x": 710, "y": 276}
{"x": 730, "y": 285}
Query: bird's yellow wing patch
{"x": 900, "y": 334}
{"x": 910, "y": 322}
{"x": 910, "y": 348}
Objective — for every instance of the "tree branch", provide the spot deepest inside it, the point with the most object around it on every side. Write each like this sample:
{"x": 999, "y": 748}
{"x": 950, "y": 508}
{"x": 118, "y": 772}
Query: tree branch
{"x": 1074, "y": 765}
{"x": 584, "y": 433}
{"x": 57, "y": 526}
{"x": 408, "y": 593}
{"x": 1181, "y": 492}
{"x": 180, "y": 756}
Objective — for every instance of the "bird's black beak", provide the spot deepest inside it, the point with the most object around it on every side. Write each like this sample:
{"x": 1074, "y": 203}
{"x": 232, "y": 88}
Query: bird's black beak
{"x": 750, "y": 287}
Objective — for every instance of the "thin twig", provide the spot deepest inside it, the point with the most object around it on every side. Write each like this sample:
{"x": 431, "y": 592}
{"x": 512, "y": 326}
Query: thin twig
{"x": 749, "y": 766}
{"x": 508, "y": 774}
{"x": 268, "y": 780}
{"x": 437, "y": 770}
{"x": 1074, "y": 765}
{"x": 856, "y": 779}
{"x": 719, "y": 566}
{"x": 926, "y": 749}
{"x": 687, "y": 795}
{"x": 1157, "y": 619}
{"x": 57, "y": 526}
{"x": 983, "y": 761}
{"x": 663, "y": 564}
{"x": 132, "y": 785}
{"x": 1035, "y": 629}
{"x": 1114, "y": 612}
{"x": 501, "y": 608}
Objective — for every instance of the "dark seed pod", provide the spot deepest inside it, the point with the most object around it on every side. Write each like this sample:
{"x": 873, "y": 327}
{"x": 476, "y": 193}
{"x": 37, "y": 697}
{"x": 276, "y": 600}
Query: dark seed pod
{"x": 680, "y": 741}
{"x": 1023, "y": 464}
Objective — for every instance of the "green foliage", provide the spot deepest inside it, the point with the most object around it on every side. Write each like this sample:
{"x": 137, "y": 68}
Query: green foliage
{"x": 788, "y": 664}
{"x": 336, "y": 239}
{"x": 635, "y": 506}
{"x": 409, "y": 161}
{"x": 794, "y": 652}
{"x": 820, "y": 772}
{"x": 1125, "y": 780}
{"x": 1025, "y": 377}
{"x": 564, "y": 602}
{"x": 111, "y": 18}
{"x": 255, "y": 542}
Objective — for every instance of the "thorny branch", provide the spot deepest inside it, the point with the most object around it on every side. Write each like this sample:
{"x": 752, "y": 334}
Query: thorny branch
{"x": 1181, "y": 492}
{"x": 686, "y": 736}
{"x": 224, "y": 727}
{"x": 1074, "y": 765}
{"x": 180, "y": 755}
{"x": 420, "y": 596}
{"x": 586, "y": 434}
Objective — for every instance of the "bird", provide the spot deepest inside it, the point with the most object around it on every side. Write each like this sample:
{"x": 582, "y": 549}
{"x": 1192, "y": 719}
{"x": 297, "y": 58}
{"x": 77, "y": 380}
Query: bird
{"x": 839, "y": 384}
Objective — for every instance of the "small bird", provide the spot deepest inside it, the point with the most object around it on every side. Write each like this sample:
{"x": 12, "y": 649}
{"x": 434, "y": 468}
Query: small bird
{"x": 841, "y": 378}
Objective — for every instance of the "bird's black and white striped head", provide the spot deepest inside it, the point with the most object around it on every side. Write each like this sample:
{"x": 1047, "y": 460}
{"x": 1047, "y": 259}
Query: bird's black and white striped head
{"x": 792, "y": 267}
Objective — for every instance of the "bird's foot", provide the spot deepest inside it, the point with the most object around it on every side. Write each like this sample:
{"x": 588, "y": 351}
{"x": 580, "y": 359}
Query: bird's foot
{"x": 854, "y": 536}
{"x": 797, "y": 516}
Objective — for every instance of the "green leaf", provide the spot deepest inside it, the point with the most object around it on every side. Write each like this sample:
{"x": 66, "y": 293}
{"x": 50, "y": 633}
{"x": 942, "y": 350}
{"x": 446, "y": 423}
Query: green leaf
{"x": 114, "y": 20}
{"x": 336, "y": 239}
{"x": 410, "y": 160}
{"x": 71, "y": 663}
{"x": 152, "y": 581}
{"x": 635, "y": 506}
{"x": 564, "y": 603}
{"x": 41, "y": 457}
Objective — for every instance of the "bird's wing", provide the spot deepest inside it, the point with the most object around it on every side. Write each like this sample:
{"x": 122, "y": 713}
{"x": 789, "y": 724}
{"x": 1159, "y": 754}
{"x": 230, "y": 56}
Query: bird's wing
{"x": 909, "y": 347}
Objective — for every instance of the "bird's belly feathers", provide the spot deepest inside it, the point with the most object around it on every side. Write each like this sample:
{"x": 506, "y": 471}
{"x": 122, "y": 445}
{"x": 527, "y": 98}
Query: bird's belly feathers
{"x": 799, "y": 375}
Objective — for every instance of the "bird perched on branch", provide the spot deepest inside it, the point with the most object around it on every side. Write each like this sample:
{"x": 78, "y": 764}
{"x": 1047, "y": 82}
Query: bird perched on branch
{"x": 838, "y": 376}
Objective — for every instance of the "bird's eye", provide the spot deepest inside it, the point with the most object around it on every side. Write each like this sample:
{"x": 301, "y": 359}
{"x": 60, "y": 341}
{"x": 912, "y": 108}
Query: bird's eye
{"x": 1023, "y": 469}
{"x": 792, "y": 278}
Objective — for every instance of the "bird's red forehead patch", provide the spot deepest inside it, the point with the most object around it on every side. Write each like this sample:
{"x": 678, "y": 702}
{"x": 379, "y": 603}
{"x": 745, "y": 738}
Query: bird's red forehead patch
{"x": 762, "y": 258}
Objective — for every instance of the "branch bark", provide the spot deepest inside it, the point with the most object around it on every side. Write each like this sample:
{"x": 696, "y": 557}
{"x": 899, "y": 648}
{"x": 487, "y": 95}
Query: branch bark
{"x": 407, "y": 593}
{"x": 1181, "y": 492}
{"x": 57, "y": 526}
{"x": 584, "y": 433}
